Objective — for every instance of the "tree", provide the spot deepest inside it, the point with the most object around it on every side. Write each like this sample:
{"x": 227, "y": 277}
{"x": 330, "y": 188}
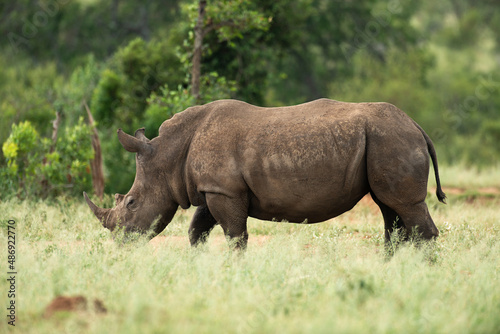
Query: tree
{"x": 230, "y": 19}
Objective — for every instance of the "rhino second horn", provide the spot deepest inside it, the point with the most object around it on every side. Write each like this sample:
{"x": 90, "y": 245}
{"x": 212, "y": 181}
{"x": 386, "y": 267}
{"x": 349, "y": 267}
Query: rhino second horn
{"x": 140, "y": 134}
{"x": 133, "y": 144}
{"x": 100, "y": 213}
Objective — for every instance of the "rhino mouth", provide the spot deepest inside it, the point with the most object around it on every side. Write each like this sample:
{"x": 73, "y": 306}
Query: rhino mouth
{"x": 103, "y": 215}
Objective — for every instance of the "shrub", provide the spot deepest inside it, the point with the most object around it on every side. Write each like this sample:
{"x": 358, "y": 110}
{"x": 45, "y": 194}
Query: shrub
{"x": 38, "y": 167}
{"x": 21, "y": 150}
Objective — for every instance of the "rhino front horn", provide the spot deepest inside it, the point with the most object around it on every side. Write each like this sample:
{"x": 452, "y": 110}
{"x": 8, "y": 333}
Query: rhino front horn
{"x": 100, "y": 213}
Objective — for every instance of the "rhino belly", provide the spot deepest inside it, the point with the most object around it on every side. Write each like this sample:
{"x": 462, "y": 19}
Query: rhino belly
{"x": 311, "y": 201}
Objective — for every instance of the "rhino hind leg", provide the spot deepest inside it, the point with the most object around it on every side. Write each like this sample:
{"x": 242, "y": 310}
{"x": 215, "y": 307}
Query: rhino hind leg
{"x": 201, "y": 225}
{"x": 391, "y": 219}
{"x": 231, "y": 214}
{"x": 400, "y": 190}
{"x": 417, "y": 217}
{"x": 414, "y": 217}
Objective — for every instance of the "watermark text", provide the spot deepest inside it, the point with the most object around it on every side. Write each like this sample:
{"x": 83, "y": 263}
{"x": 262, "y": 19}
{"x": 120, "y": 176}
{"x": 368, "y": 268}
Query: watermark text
{"x": 11, "y": 272}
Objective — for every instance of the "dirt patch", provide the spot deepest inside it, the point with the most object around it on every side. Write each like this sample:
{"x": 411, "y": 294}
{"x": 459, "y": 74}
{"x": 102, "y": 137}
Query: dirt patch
{"x": 489, "y": 191}
{"x": 73, "y": 304}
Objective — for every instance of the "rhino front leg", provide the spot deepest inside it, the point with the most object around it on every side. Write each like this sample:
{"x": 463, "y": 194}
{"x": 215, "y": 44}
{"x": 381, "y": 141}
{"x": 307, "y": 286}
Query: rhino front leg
{"x": 231, "y": 214}
{"x": 201, "y": 225}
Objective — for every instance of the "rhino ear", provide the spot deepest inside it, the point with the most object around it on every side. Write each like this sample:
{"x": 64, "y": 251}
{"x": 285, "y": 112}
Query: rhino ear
{"x": 133, "y": 144}
{"x": 139, "y": 134}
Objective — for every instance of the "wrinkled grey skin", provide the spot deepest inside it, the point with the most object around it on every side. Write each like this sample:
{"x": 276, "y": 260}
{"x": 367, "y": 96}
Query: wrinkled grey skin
{"x": 304, "y": 163}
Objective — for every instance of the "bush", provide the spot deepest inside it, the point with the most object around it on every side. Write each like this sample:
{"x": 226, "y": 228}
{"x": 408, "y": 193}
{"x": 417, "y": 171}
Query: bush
{"x": 22, "y": 151}
{"x": 39, "y": 167}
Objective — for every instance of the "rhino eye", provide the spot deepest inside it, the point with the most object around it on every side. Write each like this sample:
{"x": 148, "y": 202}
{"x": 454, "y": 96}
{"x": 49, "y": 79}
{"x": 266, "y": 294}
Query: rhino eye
{"x": 130, "y": 203}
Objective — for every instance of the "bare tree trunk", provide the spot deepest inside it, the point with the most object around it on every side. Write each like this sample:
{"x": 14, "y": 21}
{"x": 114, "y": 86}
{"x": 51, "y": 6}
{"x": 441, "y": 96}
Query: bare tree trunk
{"x": 55, "y": 129}
{"x": 96, "y": 163}
{"x": 198, "y": 44}
{"x": 144, "y": 20}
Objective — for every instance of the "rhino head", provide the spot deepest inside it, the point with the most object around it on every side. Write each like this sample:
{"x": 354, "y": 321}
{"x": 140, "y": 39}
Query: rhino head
{"x": 148, "y": 207}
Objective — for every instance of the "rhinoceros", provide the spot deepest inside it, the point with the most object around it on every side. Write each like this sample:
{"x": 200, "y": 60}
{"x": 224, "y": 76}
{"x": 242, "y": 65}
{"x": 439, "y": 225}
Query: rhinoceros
{"x": 304, "y": 164}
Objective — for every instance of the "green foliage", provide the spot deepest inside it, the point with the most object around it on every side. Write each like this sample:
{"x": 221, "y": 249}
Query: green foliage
{"x": 164, "y": 105}
{"x": 135, "y": 72}
{"x": 106, "y": 97}
{"x": 33, "y": 97}
{"x": 68, "y": 164}
{"x": 26, "y": 93}
{"x": 65, "y": 31}
{"x": 228, "y": 25}
{"x": 38, "y": 167}
{"x": 408, "y": 90}
{"x": 169, "y": 102}
{"x": 76, "y": 90}
{"x": 313, "y": 42}
{"x": 466, "y": 117}
{"x": 492, "y": 132}
{"x": 229, "y": 19}
{"x": 21, "y": 150}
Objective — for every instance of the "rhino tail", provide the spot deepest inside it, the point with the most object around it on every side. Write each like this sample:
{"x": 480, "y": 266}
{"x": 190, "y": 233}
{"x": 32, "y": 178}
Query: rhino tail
{"x": 432, "y": 152}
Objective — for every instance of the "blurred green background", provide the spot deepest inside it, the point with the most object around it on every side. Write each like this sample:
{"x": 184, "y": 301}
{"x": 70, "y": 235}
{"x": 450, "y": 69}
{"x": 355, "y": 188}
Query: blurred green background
{"x": 131, "y": 62}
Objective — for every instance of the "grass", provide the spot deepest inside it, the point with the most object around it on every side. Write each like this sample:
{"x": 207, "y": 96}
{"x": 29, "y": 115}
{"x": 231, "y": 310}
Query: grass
{"x": 460, "y": 176}
{"x": 322, "y": 278}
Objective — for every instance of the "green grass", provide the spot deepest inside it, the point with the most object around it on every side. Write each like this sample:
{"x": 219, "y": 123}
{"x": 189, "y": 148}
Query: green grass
{"x": 322, "y": 278}
{"x": 459, "y": 176}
